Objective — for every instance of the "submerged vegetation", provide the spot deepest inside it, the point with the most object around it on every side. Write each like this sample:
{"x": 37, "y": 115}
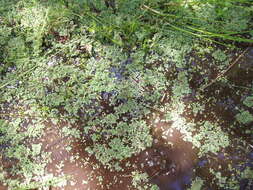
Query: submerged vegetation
{"x": 119, "y": 77}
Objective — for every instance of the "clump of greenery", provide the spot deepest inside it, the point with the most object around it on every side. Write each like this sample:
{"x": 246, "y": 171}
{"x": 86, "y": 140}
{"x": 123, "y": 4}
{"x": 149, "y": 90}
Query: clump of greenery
{"x": 219, "y": 55}
{"x": 26, "y": 161}
{"x": 213, "y": 139}
{"x": 197, "y": 184}
{"x": 248, "y": 101}
{"x": 244, "y": 117}
{"x": 136, "y": 138}
{"x": 140, "y": 181}
{"x": 108, "y": 66}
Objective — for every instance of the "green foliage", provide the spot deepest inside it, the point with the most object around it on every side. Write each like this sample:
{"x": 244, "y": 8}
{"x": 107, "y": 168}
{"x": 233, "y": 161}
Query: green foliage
{"x": 197, "y": 184}
{"x": 27, "y": 162}
{"x": 247, "y": 173}
{"x": 210, "y": 139}
{"x": 181, "y": 86}
{"x": 224, "y": 181}
{"x": 130, "y": 138}
{"x": 248, "y": 101}
{"x": 62, "y": 59}
{"x": 244, "y": 117}
{"x": 140, "y": 181}
{"x": 219, "y": 55}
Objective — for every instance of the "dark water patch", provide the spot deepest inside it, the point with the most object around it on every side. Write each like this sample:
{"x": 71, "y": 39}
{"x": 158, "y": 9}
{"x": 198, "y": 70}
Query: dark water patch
{"x": 222, "y": 102}
{"x": 176, "y": 170}
{"x": 169, "y": 167}
{"x": 230, "y": 162}
{"x": 246, "y": 184}
{"x": 119, "y": 72}
{"x": 241, "y": 74}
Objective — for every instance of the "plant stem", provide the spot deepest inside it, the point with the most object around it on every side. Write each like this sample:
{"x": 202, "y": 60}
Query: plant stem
{"x": 225, "y": 71}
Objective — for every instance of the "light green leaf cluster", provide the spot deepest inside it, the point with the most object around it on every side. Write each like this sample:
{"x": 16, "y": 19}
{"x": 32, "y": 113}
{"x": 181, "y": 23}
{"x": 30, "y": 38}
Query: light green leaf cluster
{"x": 126, "y": 139}
{"x": 210, "y": 138}
{"x": 248, "y": 101}
{"x": 181, "y": 86}
{"x": 30, "y": 161}
{"x": 197, "y": 184}
{"x": 244, "y": 117}
{"x": 219, "y": 55}
{"x": 247, "y": 173}
{"x": 140, "y": 181}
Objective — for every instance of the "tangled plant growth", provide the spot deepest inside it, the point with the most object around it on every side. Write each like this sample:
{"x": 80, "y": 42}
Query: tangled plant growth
{"x": 108, "y": 65}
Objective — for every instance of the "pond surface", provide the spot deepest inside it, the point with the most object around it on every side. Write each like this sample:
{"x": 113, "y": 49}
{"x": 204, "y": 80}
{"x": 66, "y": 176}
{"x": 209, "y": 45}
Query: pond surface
{"x": 174, "y": 167}
{"x": 169, "y": 167}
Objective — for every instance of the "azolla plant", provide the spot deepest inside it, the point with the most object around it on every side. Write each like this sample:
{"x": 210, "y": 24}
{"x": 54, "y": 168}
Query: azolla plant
{"x": 157, "y": 93}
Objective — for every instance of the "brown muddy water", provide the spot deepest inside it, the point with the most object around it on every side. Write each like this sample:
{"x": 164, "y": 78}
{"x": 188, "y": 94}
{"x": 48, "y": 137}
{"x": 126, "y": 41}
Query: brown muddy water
{"x": 169, "y": 167}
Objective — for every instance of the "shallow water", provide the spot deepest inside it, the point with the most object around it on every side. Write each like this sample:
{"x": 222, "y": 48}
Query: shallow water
{"x": 171, "y": 168}
{"x": 227, "y": 106}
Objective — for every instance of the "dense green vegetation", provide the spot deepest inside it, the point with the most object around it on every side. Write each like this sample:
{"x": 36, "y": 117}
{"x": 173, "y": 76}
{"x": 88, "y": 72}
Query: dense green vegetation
{"x": 107, "y": 67}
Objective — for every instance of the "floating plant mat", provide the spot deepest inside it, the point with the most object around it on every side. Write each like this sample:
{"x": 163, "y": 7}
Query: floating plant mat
{"x": 126, "y": 95}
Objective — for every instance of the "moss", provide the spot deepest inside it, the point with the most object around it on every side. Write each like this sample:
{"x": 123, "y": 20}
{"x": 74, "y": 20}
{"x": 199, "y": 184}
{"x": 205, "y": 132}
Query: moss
{"x": 181, "y": 86}
{"x": 140, "y": 181}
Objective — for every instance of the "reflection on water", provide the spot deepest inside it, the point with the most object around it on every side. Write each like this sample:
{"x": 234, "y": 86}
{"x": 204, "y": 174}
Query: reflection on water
{"x": 169, "y": 167}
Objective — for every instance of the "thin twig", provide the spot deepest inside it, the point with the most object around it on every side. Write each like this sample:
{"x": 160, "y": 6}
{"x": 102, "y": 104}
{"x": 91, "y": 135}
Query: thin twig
{"x": 222, "y": 74}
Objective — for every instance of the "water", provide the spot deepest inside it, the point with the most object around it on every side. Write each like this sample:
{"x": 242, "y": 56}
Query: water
{"x": 228, "y": 104}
